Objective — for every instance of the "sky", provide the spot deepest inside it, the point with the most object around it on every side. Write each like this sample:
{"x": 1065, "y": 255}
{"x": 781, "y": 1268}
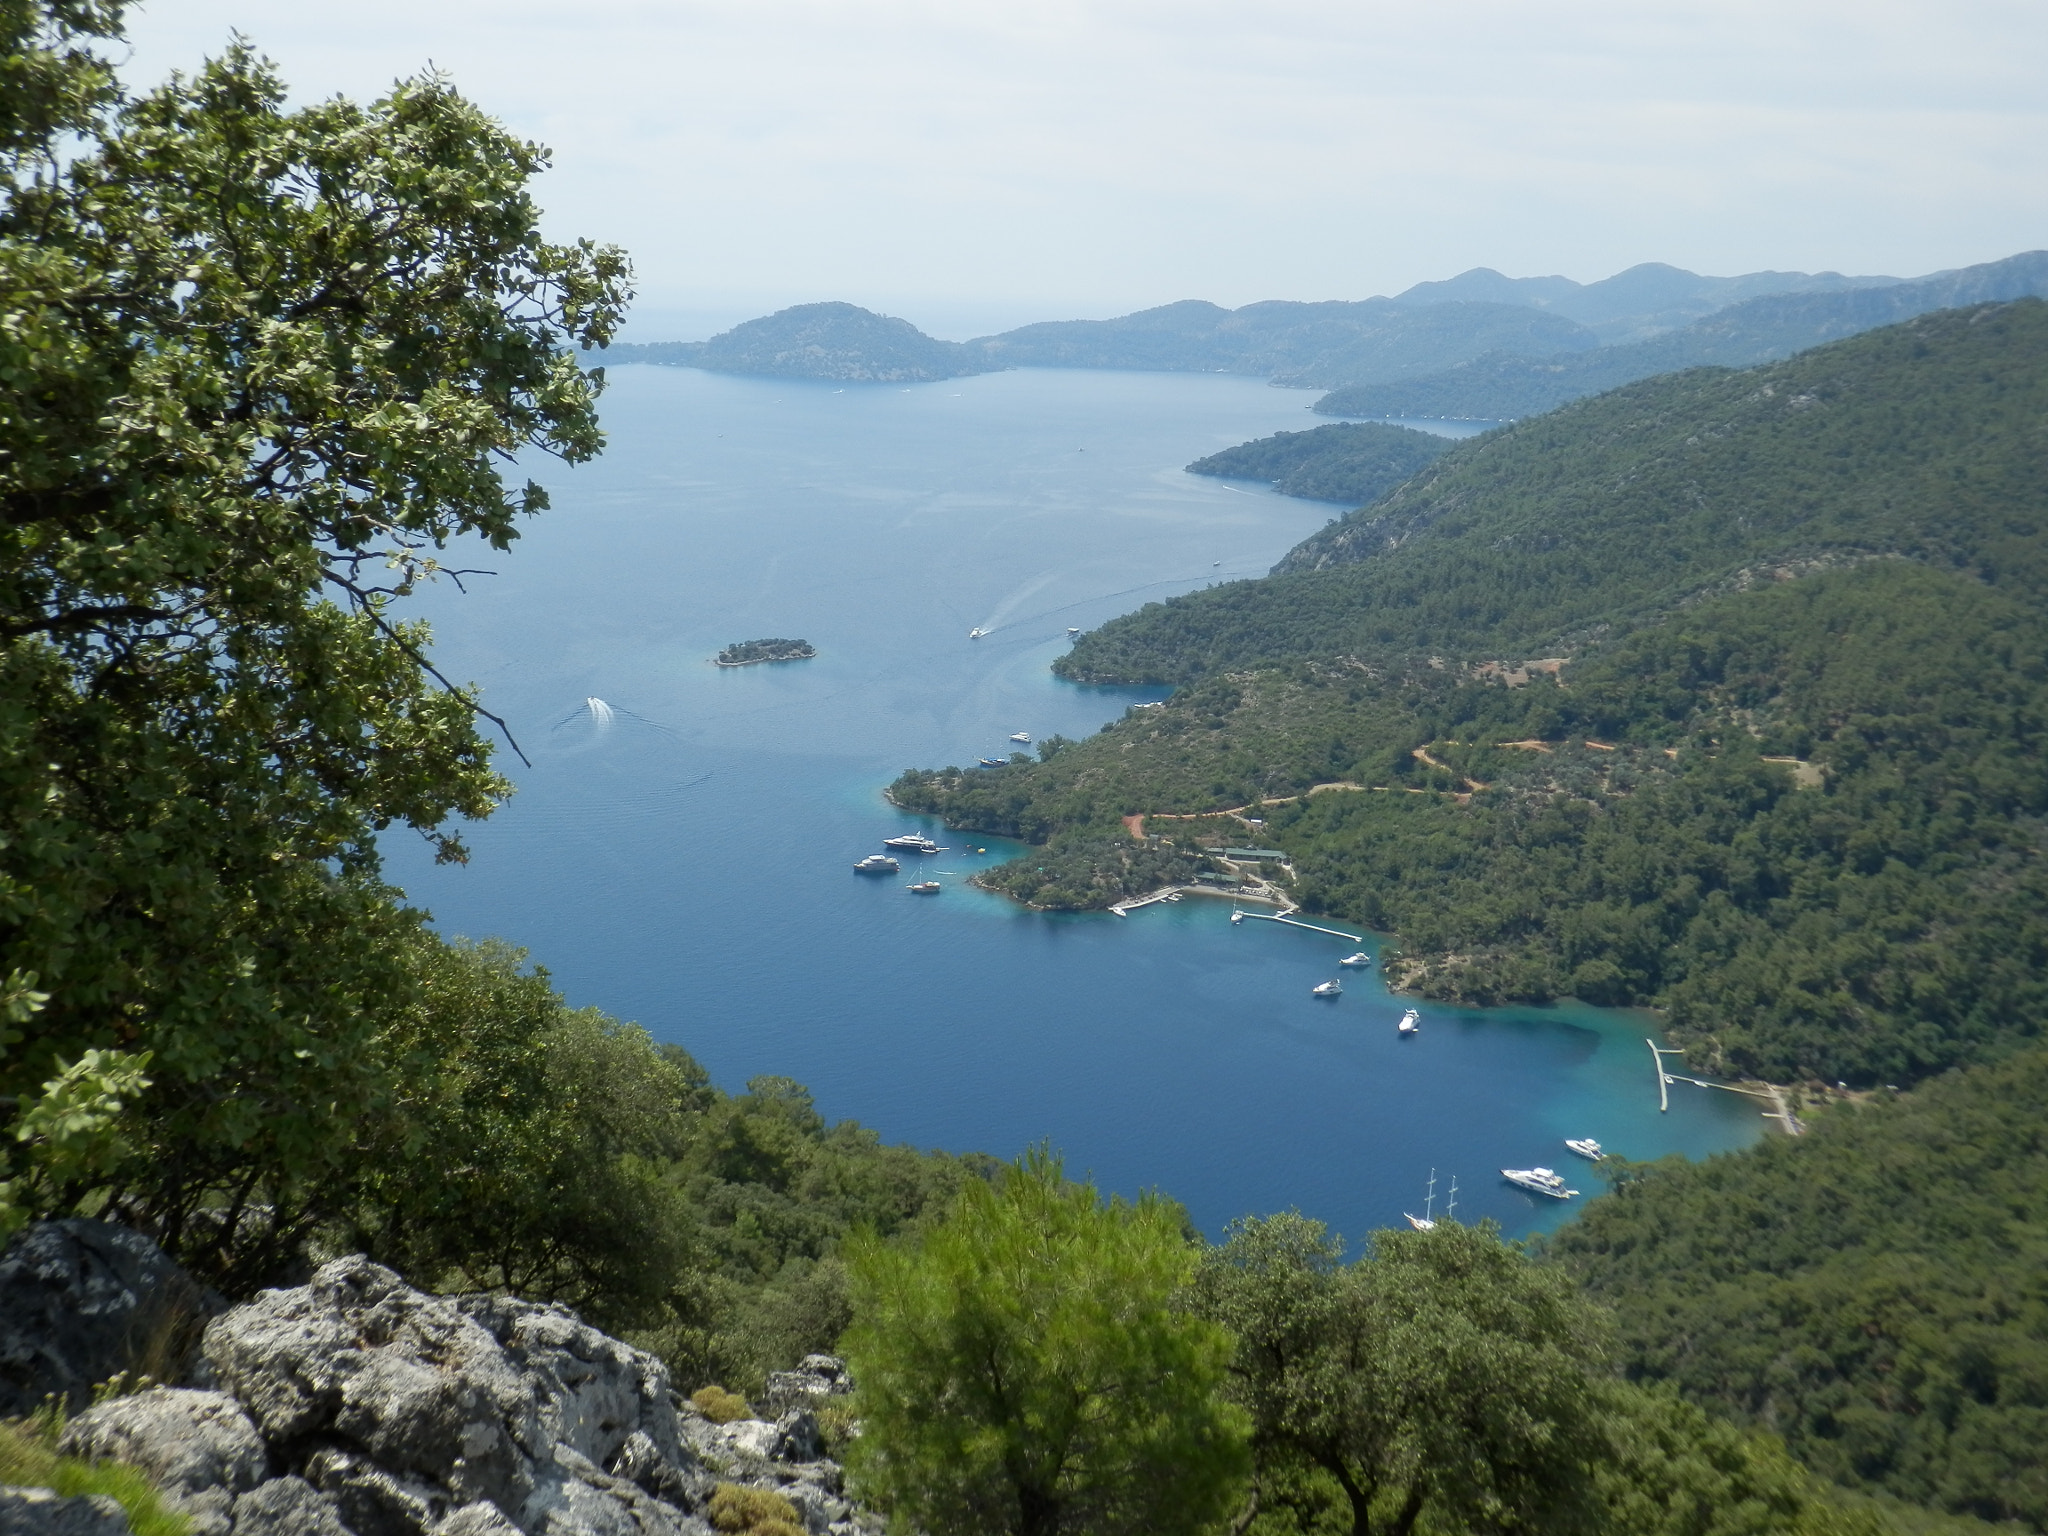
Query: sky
{"x": 972, "y": 166}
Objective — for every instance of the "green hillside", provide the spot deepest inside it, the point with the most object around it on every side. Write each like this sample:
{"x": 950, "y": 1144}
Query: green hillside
{"x": 1355, "y": 462}
{"x": 1923, "y": 439}
{"x": 1872, "y": 1291}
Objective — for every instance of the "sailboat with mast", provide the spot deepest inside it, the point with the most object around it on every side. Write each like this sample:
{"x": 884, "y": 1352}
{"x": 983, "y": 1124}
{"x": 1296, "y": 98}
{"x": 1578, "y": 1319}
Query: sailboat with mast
{"x": 1426, "y": 1222}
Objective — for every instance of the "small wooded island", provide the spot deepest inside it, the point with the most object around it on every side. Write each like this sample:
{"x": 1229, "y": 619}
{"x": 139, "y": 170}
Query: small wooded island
{"x": 748, "y": 653}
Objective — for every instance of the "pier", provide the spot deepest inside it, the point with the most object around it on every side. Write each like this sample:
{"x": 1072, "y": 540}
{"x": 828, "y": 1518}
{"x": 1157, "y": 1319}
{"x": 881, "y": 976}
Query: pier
{"x": 1779, "y": 1110}
{"x": 1295, "y": 922}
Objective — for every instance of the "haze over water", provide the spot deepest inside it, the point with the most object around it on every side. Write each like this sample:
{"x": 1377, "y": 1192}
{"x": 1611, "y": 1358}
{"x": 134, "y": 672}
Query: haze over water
{"x": 686, "y": 862}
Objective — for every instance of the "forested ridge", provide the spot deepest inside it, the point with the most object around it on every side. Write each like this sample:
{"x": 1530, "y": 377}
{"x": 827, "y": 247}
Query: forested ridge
{"x": 1354, "y": 462}
{"x": 1922, "y": 439}
{"x": 1872, "y": 1291}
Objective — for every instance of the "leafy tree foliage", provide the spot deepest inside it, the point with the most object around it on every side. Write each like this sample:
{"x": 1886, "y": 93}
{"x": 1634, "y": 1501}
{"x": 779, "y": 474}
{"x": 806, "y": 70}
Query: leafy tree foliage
{"x": 1871, "y": 1291}
{"x": 1024, "y": 1368}
{"x": 1440, "y": 1383}
{"x": 261, "y": 367}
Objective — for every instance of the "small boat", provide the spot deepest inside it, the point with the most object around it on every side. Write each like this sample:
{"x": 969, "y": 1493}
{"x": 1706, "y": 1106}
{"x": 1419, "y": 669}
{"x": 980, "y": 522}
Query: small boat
{"x": 1361, "y": 960}
{"x": 976, "y": 634}
{"x": 913, "y": 842}
{"x": 1023, "y": 736}
{"x": 1327, "y": 989}
{"x": 1073, "y": 629}
{"x": 877, "y": 864}
{"x": 1411, "y": 1023}
{"x": 926, "y": 888}
{"x": 992, "y": 762}
{"x": 1588, "y": 1148}
{"x": 1538, "y": 1181}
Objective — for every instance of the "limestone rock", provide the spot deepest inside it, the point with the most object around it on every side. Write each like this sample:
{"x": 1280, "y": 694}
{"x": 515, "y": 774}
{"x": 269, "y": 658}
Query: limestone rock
{"x": 84, "y": 1301}
{"x": 40, "y": 1512}
{"x": 816, "y": 1379}
{"x": 287, "y": 1506}
{"x": 185, "y": 1441}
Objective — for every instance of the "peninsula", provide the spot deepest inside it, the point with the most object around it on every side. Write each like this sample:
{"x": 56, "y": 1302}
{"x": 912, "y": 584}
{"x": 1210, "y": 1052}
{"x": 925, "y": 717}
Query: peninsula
{"x": 751, "y": 653}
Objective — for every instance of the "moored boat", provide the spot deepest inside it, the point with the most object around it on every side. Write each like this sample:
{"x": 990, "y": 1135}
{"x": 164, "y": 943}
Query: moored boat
{"x": 926, "y": 887}
{"x": 1411, "y": 1023}
{"x": 1023, "y": 736}
{"x": 1586, "y": 1147}
{"x": 1360, "y": 960}
{"x": 913, "y": 842}
{"x": 1327, "y": 989}
{"x": 877, "y": 864}
{"x": 1538, "y": 1181}
{"x": 992, "y": 762}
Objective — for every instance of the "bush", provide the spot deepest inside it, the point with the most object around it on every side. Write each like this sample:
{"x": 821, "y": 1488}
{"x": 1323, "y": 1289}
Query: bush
{"x": 721, "y": 1406}
{"x": 754, "y": 1511}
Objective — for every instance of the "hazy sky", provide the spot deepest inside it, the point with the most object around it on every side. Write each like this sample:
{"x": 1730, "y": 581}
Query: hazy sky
{"x": 971, "y": 165}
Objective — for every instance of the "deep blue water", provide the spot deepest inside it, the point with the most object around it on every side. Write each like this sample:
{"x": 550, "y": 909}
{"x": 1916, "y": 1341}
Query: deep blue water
{"x": 688, "y": 863}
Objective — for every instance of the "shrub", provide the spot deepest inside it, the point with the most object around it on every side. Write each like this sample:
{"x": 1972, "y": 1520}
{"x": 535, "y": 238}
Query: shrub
{"x": 721, "y": 1406}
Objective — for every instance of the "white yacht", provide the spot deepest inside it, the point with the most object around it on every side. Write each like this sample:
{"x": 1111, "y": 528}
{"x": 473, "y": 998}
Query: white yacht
{"x": 913, "y": 842}
{"x": 925, "y": 887}
{"x": 1411, "y": 1023}
{"x": 1361, "y": 960}
{"x": 1327, "y": 989}
{"x": 976, "y": 634}
{"x": 1538, "y": 1181}
{"x": 1023, "y": 736}
{"x": 1073, "y": 629}
{"x": 1588, "y": 1148}
{"x": 877, "y": 864}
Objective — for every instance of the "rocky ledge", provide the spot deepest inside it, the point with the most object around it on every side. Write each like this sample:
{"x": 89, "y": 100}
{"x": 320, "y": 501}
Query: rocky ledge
{"x": 355, "y": 1405}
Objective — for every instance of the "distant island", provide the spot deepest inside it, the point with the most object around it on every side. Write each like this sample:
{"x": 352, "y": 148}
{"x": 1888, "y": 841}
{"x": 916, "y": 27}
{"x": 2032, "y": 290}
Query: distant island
{"x": 751, "y": 653}
{"x": 838, "y": 343}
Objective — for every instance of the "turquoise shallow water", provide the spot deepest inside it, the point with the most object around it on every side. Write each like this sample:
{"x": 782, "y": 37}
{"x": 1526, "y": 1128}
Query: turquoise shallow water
{"x": 686, "y": 862}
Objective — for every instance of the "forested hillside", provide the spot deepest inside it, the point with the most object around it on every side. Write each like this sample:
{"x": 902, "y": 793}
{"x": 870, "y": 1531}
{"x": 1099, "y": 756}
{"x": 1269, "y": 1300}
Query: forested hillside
{"x": 1353, "y": 462}
{"x": 1779, "y": 774}
{"x": 1506, "y": 385}
{"x": 1872, "y": 1291}
{"x": 1922, "y": 440}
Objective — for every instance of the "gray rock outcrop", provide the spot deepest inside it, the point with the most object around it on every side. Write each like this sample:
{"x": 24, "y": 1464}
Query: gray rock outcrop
{"x": 39, "y": 1512}
{"x": 84, "y": 1301}
{"x": 355, "y": 1405}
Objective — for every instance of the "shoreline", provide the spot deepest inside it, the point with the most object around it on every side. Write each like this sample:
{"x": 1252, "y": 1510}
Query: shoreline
{"x": 763, "y": 661}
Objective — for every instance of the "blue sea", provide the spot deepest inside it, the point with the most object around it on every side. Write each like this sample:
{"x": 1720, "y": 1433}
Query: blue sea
{"x": 680, "y": 853}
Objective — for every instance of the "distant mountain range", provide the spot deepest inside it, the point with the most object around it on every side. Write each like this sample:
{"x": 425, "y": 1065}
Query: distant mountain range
{"x": 1480, "y": 345}
{"x": 1507, "y": 384}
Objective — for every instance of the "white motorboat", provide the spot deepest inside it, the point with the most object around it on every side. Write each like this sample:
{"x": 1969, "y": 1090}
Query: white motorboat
{"x": 913, "y": 842}
{"x": 877, "y": 864}
{"x": 1587, "y": 1148}
{"x": 1073, "y": 629}
{"x": 1023, "y": 736}
{"x": 1237, "y": 917}
{"x": 1327, "y": 989}
{"x": 976, "y": 634}
{"x": 1538, "y": 1181}
{"x": 926, "y": 887}
{"x": 1361, "y": 960}
{"x": 1411, "y": 1023}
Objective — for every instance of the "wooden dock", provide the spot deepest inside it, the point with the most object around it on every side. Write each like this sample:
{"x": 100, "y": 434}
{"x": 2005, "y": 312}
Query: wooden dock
{"x": 1294, "y": 922}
